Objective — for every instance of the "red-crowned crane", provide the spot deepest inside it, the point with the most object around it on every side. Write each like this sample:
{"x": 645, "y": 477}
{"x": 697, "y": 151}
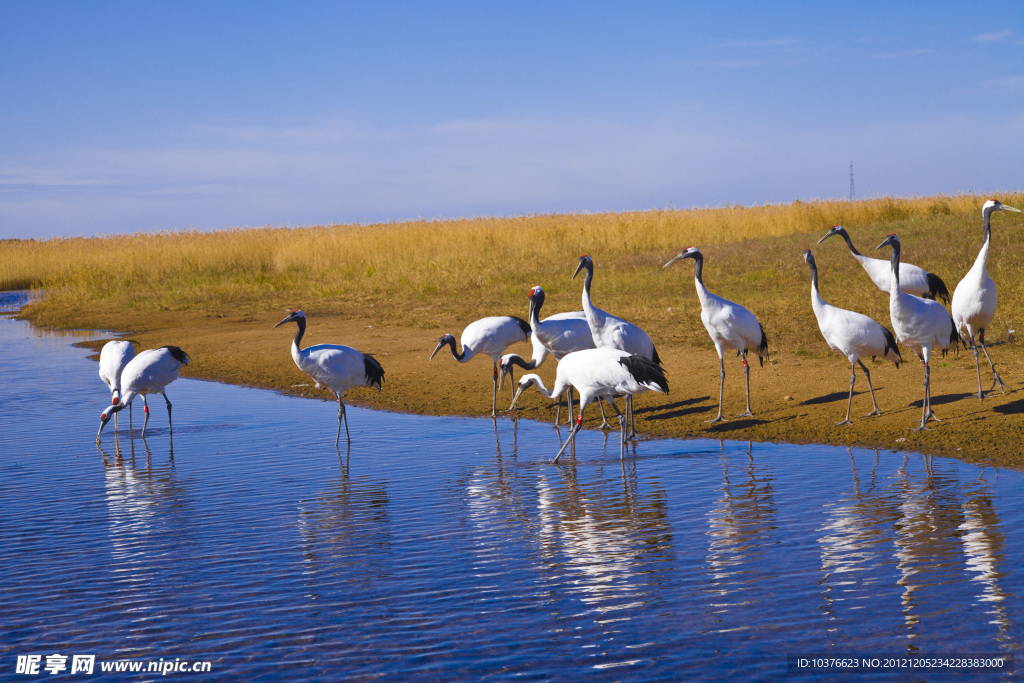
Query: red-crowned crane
{"x": 558, "y": 335}
{"x": 337, "y": 367}
{"x": 600, "y": 373}
{"x": 148, "y": 373}
{"x": 919, "y": 324}
{"x": 913, "y": 279}
{"x": 975, "y": 298}
{"x": 114, "y": 356}
{"x": 610, "y": 332}
{"x": 852, "y": 334}
{"x": 490, "y": 337}
{"x": 730, "y": 326}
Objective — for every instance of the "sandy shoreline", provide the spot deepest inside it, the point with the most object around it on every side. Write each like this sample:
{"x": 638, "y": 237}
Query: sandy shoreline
{"x": 797, "y": 397}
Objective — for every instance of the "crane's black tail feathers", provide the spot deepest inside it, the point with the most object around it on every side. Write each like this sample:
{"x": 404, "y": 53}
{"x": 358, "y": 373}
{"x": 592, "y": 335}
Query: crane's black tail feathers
{"x": 646, "y": 372}
{"x": 954, "y": 339}
{"x": 762, "y": 347}
{"x": 523, "y": 325}
{"x": 374, "y": 371}
{"x": 656, "y": 358}
{"x": 890, "y": 343}
{"x": 178, "y": 354}
{"x": 937, "y": 288}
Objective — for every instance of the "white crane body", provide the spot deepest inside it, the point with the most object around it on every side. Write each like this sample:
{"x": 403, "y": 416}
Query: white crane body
{"x": 335, "y": 366}
{"x": 557, "y": 335}
{"x": 490, "y": 337}
{"x": 603, "y": 374}
{"x": 975, "y": 298}
{"x": 114, "y": 356}
{"x": 919, "y": 324}
{"x": 729, "y": 325}
{"x": 913, "y": 279}
{"x": 611, "y": 332}
{"x": 148, "y": 373}
{"x": 852, "y": 334}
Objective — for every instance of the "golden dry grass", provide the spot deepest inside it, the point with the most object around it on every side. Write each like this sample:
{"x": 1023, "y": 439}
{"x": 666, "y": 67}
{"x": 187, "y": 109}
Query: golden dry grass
{"x": 423, "y": 273}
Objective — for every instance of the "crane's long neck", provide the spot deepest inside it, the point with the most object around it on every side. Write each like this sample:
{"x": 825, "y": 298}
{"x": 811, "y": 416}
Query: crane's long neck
{"x": 982, "y": 259}
{"x": 553, "y": 392}
{"x": 515, "y": 359}
{"x": 300, "y": 322}
{"x": 816, "y": 299}
{"x": 849, "y": 243}
{"x": 587, "y": 280}
{"x": 698, "y": 278}
{"x": 894, "y": 282}
{"x": 535, "y": 305}
{"x": 461, "y": 357}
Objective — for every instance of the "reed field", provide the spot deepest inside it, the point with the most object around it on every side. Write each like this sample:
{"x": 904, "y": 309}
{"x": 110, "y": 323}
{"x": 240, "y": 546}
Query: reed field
{"x": 390, "y": 289}
{"x": 434, "y": 272}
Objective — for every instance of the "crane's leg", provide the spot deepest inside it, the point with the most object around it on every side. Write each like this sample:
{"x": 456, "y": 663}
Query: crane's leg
{"x": 746, "y": 374}
{"x": 995, "y": 375}
{"x": 145, "y": 410}
{"x": 604, "y": 420}
{"x": 977, "y": 367}
{"x": 115, "y": 414}
{"x": 721, "y": 389}
{"x": 341, "y": 416}
{"x": 925, "y": 402}
{"x": 572, "y": 433}
{"x": 568, "y": 403}
{"x": 632, "y": 424}
{"x": 494, "y": 400}
{"x": 622, "y": 428}
{"x": 867, "y": 374}
{"x": 931, "y": 413}
{"x": 170, "y": 426}
{"x": 130, "y": 425}
{"x": 849, "y": 401}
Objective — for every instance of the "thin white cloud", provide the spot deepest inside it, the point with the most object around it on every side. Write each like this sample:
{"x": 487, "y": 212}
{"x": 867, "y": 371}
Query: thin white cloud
{"x": 771, "y": 44}
{"x": 1006, "y": 83}
{"x": 993, "y": 37}
{"x": 901, "y": 54}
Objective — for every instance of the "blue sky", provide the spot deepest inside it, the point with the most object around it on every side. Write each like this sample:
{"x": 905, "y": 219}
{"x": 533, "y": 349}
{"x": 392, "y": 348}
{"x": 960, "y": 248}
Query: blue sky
{"x": 142, "y": 116}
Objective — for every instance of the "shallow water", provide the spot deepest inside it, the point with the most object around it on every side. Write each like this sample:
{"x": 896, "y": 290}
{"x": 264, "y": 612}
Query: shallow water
{"x": 446, "y": 549}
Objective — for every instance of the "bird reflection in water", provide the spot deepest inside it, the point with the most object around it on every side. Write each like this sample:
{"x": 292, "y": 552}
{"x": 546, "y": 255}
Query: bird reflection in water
{"x": 741, "y": 531}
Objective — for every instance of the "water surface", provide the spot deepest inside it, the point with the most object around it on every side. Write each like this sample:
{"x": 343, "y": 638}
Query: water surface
{"x": 451, "y": 549}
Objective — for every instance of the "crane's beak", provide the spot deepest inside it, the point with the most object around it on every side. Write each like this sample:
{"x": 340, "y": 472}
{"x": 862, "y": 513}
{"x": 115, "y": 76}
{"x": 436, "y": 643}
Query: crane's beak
{"x": 578, "y": 269}
{"x": 827, "y": 235}
{"x": 286, "y": 320}
{"x": 439, "y": 345}
{"x": 674, "y": 259}
{"x": 1010, "y": 208}
{"x": 104, "y": 419}
{"x": 515, "y": 399}
{"x": 887, "y": 242}
{"x": 501, "y": 380}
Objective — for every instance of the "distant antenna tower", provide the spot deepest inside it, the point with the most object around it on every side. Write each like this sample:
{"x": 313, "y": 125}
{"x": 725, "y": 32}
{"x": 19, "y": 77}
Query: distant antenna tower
{"x": 851, "y": 182}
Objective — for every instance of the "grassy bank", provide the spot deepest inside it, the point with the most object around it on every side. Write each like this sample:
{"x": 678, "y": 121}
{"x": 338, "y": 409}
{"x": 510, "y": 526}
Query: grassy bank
{"x": 391, "y": 289}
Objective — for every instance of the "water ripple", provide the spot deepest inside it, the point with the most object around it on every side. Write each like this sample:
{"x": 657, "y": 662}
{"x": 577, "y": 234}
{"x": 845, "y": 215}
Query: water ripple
{"x": 452, "y": 549}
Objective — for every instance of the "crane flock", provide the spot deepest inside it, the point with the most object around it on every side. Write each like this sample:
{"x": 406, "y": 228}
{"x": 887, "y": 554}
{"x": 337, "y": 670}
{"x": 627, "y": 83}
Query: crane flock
{"x": 604, "y": 357}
